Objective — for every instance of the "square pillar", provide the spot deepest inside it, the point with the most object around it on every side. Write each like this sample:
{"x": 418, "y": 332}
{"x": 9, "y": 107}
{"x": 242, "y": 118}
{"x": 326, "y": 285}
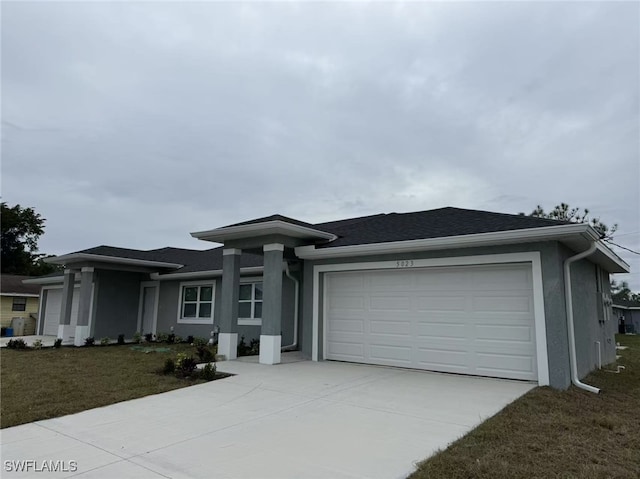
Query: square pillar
{"x": 270, "y": 337}
{"x": 228, "y": 335}
{"x": 65, "y": 327}
{"x": 84, "y": 306}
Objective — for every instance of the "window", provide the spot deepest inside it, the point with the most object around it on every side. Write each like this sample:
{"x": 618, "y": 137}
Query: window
{"x": 196, "y": 303}
{"x": 19, "y": 304}
{"x": 250, "y": 304}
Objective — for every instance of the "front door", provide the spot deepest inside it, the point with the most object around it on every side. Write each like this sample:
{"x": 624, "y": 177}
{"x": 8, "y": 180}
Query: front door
{"x": 148, "y": 309}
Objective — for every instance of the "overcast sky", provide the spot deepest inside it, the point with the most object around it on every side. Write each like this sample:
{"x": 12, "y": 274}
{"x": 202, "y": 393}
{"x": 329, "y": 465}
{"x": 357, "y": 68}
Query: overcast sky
{"x": 133, "y": 124}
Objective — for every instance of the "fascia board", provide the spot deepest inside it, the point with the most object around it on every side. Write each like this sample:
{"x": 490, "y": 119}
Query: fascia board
{"x": 462, "y": 241}
{"x": 78, "y": 257}
{"x": 202, "y": 274}
{"x": 219, "y": 235}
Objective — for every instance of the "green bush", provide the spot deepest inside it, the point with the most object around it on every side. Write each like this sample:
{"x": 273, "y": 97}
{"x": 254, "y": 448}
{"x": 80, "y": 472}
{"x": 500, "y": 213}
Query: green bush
{"x": 199, "y": 342}
{"x": 37, "y": 344}
{"x": 205, "y": 354}
{"x": 57, "y": 343}
{"x": 120, "y": 339}
{"x": 105, "y": 342}
{"x": 208, "y": 372}
{"x": 185, "y": 365}
{"x": 162, "y": 338}
{"x": 17, "y": 344}
{"x": 137, "y": 337}
{"x": 169, "y": 366}
{"x": 89, "y": 341}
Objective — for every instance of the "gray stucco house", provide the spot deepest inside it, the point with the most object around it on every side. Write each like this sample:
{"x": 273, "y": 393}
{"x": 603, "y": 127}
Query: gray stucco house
{"x": 628, "y": 315}
{"x": 450, "y": 290}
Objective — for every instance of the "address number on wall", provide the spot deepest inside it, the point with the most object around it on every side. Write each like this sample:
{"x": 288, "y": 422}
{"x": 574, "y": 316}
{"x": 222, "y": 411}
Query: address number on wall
{"x": 404, "y": 264}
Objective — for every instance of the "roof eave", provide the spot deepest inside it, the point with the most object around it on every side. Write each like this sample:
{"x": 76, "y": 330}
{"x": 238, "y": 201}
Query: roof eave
{"x": 220, "y": 235}
{"x": 213, "y": 273}
{"x": 568, "y": 232}
{"x": 68, "y": 259}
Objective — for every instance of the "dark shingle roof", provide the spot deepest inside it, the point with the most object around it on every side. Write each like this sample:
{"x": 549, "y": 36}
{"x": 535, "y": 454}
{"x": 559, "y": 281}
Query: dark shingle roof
{"x": 12, "y": 283}
{"x": 626, "y": 303}
{"x": 437, "y": 223}
{"x": 378, "y": 228}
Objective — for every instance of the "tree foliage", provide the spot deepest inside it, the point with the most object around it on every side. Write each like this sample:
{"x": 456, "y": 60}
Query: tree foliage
{"x": 563, "y": 212}
{"x": 621, "y": 291}
{"x": 21, "y": 229}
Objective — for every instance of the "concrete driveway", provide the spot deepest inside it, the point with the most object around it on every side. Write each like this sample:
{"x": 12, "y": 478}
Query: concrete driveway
{"x": 295, "y": 420}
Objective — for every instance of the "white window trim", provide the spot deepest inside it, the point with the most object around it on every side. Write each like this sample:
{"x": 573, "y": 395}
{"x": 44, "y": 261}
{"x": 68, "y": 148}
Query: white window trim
{"x": 180, "y": 319}
{"x": 529, "y": 257}
{"x": 250, "y": 321}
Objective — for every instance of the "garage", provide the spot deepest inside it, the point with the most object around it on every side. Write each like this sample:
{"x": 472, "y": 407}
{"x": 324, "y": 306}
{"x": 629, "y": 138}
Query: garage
{"x": 476, "y": 320}
{"x": 53, "y": 304}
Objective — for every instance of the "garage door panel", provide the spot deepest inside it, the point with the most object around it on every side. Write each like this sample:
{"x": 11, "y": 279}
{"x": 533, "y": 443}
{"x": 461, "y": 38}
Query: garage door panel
{"x": 347, "y": 302}
{"x": 381, "y": 352}
{"x": 441, "y": 330}
{"x": 402, "y": 328}
{"x": 425, "y": 303}
{"x": 504, "y": 332}
{"x": 502, "y": 303}
{"x": 347, "y": 351}
{"x": 471, "y": 320}
{"x": 53, "y": 308}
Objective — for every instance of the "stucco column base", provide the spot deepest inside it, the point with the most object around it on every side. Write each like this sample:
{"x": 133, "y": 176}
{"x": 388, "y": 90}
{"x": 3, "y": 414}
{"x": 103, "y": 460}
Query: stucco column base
{"x": 270, "y": 349}
{"x": 66, "y": 333}
{"x": 228, "y": 345}
{"x": 81, "y": 333}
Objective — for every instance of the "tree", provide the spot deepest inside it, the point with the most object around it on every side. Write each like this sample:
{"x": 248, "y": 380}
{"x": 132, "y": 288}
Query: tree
{"x": 563, "y": 212}
{"x": 621, "y": 291}
{"x": 21, "y": 229}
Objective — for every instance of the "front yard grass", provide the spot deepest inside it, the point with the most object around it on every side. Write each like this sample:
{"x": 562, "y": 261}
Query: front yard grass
{"x": 556, "y": 434}
{"x": 47, "y": 383}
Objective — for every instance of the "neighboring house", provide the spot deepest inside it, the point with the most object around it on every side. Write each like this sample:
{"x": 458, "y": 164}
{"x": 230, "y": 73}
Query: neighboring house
{"x": 18, "y": 300}
{"x": 451, "y": 290}
{"x": 628, "y": 315}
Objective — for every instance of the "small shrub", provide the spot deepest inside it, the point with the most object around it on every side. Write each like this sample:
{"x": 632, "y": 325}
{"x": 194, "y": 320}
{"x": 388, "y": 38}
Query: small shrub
{"x": 169, "y": 366}
{"x": 190, "y": 339}
{"x": 37, "y": 344}
{"x": 242, "y": 347}
{"x": 57, "y": 343}
{"x": 89, "y": 341}
{"x": 171, "y": 338}
{"x": 254, "y": 347}
{"x": 199, "y": 342}
{"x": 185, "y": 365}
{"x": 137, "y": 337}
{"x": 208, "y": 372}
{"x": 162, "y": 338}
{"x": 205, "y": 354}
{"x": 17, "y": 344}
{"x": 179, "y": 339}
{"x": 120, "y": 339}
{"x": 105, "y": 341}
{"x": 148, "y": 337}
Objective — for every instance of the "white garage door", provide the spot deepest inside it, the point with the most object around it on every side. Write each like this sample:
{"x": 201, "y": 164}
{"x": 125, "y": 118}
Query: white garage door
{"x": 52, "y": 309}
{"x": 471, "y": 320}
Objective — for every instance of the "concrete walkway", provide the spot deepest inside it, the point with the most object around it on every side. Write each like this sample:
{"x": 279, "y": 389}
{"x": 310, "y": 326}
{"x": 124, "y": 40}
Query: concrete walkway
{"x": 301, "y": 419}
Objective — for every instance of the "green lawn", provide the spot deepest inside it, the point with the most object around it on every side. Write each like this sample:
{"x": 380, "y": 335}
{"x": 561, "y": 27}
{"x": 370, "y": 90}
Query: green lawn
{"x": 556, "y": 434}
{"x": 47, "y": 383}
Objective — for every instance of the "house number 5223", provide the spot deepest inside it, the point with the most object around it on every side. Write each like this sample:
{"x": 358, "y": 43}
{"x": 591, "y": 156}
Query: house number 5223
{"x": 404, "y": 264}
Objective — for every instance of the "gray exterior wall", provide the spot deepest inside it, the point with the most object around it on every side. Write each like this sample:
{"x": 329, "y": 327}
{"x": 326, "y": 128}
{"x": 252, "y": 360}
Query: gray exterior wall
{"x": 168, "y": 305}
{"x": 116, "y": 302}
{"x": 552, "y": 256}
{"x": 631, "y": 319}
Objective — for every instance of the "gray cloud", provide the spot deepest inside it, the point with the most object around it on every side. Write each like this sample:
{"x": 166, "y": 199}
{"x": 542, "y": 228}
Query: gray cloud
{"x": 134, "y": 123}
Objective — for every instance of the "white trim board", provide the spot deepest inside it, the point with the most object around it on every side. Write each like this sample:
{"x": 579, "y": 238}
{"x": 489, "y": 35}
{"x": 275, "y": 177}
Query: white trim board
{"x": 529, "y": 257}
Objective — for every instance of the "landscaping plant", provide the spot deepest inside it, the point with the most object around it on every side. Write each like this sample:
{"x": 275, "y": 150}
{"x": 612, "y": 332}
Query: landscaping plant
{"x": 89, "y": 341}
{"x": 105, "y": 342}
{"x": 17, "y": 343}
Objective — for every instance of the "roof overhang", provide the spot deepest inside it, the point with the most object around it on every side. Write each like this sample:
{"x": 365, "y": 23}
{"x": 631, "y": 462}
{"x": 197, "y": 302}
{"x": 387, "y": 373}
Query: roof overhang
{"x": 619, "y": 306}
{"x": 20, "y": 295}
{"x": 274, "y": 227}
{"x": 69, "y": 259}
{"x": 577, "y": 236}
{"x": 45, "y": 280}
{"x": 203, "y": 274}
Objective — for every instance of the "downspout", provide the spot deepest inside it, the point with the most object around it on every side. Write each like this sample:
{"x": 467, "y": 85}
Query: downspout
{"x": 570, "y": 327}
{"x": 293, "y": 345}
